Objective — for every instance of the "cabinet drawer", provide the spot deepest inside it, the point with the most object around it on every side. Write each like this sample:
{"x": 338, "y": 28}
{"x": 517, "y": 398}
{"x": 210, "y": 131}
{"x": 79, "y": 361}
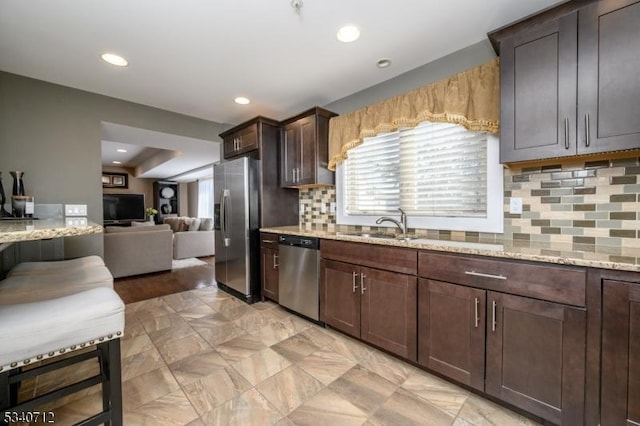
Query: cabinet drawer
{"x": 560, "y": 284}
{"x": 375, "y": 256}
{"x": 269, "y": 240}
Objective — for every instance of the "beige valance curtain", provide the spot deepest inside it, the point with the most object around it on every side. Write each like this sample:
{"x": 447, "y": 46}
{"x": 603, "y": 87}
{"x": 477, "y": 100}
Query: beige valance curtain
{"x": 470, "y": 98}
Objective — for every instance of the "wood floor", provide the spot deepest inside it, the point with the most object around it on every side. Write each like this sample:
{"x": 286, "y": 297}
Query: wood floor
{"x": 148, "y": 286}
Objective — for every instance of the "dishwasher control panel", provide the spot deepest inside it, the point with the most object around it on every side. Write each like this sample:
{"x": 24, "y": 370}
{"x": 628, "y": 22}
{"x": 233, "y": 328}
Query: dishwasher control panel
{"x": 298, "y": 241}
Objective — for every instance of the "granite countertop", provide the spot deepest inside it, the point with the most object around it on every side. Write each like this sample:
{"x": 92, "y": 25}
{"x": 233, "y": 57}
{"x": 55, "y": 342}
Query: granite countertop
{"x": 28, "y": 230}
{"x": 616, "y": 258}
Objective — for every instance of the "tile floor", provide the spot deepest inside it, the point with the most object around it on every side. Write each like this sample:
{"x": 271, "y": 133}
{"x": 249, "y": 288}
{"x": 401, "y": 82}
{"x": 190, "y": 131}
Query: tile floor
{"x": 202, "y": 357}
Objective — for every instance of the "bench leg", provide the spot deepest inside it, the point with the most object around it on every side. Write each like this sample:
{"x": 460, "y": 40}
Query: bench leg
{"x": 112, "y": 381}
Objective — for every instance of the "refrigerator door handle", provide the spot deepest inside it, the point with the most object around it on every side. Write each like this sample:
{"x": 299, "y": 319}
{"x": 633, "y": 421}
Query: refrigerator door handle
{"x": 223, "y": 217}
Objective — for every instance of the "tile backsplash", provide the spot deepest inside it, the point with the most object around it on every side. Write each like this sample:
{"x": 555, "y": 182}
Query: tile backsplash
{"x": 575, "y": 201}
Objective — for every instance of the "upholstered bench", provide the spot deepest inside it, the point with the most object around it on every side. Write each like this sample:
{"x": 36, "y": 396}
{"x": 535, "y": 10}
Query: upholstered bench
{"x": 55, "y": 283}
{"x": 48, "y": 309}
{"x": 47, "y": 267}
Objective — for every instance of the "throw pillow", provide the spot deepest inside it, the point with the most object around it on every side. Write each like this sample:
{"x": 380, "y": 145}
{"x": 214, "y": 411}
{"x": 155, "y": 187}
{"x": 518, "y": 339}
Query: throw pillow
{"x": 173, "y": 222}
{"x": 185, "y": 223}
{"x": 195, "y": 225}
{"x": 206, "y": 224}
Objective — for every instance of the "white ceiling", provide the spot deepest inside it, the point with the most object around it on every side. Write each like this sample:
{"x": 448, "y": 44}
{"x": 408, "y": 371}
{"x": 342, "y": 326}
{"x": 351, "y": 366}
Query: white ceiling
{"x": 157, "y": 155}
{"x": 195, "y": 56}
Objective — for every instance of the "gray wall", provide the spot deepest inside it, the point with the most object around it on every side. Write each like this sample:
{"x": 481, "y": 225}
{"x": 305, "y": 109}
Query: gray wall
{"x": 454, "y": 63}
{"x": 52, "y": 133}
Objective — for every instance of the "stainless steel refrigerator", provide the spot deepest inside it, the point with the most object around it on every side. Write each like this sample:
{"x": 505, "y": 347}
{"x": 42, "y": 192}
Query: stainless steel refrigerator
{"x": 236, "y": 208}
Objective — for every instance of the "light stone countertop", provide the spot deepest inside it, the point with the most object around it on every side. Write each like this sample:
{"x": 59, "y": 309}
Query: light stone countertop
{"x": 29, "y": 230}
{"x": 615, "y": 258}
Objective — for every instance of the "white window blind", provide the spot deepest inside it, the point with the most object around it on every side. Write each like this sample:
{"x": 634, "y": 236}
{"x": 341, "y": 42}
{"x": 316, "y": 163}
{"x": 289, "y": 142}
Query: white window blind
{"x": 434, "y": 169}
{"x": 205, "y": 197}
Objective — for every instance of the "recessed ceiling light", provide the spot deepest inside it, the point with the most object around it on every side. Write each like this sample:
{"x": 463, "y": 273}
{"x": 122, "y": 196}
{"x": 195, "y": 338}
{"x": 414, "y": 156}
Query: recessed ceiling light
{"x": 241, "y": 100}
{"x": 348, "y": 33}
{"x": 383, "y": 63}
{"x": 121, "y": 150}
{"x": 114, "y": 59}
{"x": 116, "y": 162}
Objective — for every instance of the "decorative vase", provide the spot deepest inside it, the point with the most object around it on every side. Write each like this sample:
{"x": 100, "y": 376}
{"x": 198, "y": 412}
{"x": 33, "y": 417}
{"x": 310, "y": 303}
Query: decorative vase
{"x": 18, "y": 185}
{"x": 150, "y": 218}
{"x": 3, "y": 199}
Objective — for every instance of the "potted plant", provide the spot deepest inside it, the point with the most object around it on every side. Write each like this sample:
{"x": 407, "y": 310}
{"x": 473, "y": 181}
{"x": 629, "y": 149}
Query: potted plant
{"x": 151, "y": 212}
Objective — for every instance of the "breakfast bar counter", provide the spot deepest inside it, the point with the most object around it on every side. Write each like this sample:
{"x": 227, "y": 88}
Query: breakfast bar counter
{"x": 30, "y": 230}
{"x": 594, "y": 256}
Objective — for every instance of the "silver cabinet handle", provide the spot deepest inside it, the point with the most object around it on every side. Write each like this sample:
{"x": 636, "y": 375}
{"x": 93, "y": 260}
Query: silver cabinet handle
{"x": 493, "y": 313}
{"x": 587, "y": 130}
{"x": 480, "y": 274}
{"x": 354, "y": 275}
{"x": 566, "y": 133}
{"x": 477, "y": 303}
{"x": 275, "y": 261}
{"x": 362, "y": 277}
{"x": 268, "y": 241}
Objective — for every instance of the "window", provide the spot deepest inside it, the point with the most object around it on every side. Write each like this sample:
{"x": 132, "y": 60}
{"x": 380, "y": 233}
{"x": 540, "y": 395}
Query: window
{"x": 205, "y": 197}
{"x": 442, "y": 175}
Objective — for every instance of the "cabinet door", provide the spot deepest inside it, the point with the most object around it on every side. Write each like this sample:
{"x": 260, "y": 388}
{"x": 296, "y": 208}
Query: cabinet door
{"x": 269, "y": 272}
{"x": 340, "y": 296}
{"x": 229, "y": 146}
{"x": 451, "y": 331}
{"x": 307, "y": 161}
{"x": 389, "y": 316}
{"x": 248, "y": 139}
{"x": 538, "y": 92}
{"x": 289, "y": 154}
{"x": 620, "y": 353}
{"x": 609, "y": 82}
{"x": 536, "y": 356}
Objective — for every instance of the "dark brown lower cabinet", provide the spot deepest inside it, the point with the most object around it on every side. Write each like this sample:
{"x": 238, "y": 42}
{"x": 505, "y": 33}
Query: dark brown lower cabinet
{"x": 339, "y": 298}
{"x": 620, "y": 386}
{"x": 536, "y": 356}
{"x": 452, "y": 330}
{"x": 269, "y": 272}
{"x": 535, "y": 350}
{"x": 269, "y": 268}
{"x": 375, "y": 305}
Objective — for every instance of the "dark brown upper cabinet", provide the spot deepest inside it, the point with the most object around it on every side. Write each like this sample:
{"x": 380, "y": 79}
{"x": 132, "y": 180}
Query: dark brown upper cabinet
{"x": 569, "y": 81}
{"x": 240, "y": 141}
{"x": 304, "y": 149}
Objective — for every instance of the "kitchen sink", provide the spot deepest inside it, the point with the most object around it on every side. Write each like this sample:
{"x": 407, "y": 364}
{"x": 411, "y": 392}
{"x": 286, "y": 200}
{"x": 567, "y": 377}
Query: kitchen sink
{"x": 382, "y": 236}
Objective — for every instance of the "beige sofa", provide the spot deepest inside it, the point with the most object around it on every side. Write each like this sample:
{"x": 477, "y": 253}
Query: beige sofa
{"x": 137, "y": 249}
{"x": 192, "y": 237}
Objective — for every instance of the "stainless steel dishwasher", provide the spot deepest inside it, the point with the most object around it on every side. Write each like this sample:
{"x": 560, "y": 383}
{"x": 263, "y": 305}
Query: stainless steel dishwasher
{"x": 299, "y": 277}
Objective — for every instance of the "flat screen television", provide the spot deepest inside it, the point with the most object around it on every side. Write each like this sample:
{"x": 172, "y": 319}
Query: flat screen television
{"x": 123, "y": 208}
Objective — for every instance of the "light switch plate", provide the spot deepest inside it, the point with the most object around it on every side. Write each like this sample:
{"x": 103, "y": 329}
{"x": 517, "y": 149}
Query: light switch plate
{"x": 76, "y": 221}
{"x": 332, "y": 207}
{"x": 75, "y": 209}
{"x": 515, "y": 205}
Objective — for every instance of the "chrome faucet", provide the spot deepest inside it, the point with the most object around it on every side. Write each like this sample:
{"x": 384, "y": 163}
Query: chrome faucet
{"x": 402, "y": 224}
